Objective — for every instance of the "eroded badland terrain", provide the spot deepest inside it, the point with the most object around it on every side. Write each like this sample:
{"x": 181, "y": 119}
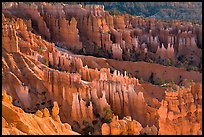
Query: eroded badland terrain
{"x": 68, "y": 69}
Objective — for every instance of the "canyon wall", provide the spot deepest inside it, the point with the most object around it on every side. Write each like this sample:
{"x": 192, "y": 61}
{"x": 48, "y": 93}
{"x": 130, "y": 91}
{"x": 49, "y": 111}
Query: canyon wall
{"x": 51, "y": 85}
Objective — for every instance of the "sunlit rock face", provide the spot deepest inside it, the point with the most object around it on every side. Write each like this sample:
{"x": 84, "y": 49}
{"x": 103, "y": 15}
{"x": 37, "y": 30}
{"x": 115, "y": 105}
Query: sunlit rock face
{"x": 48, "y": 88}
{"x": 173, "y": 112}
{"x": 16, "y": 122}
{"x": 9, "y": 39}
{"x": 125, "y": 126}
{"x": 76, "y": 27}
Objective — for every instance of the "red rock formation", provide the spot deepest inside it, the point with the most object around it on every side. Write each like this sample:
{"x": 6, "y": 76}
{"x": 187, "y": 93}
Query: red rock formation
{"x": 119, "y": 22}
{"x": 79, "y": 109}
{"x": 149, "y": 130}
{"x": 144, "y": 70}
{"x": 17, "y": 122}
{"x": 109, "y": 20}
{"x": 49, "y": 18}
{"x": 50, "y": 23}
{"x": 96, "y": 10}
{"x": 117, "y": 51}
{"x": 135, "y": 43}
{"x": 117, "y": 36}
{"x": 64, "y": 32}
{"x": 166, "y": 53}
{"x": 173, "y": 112}
{"x": 96, "y": 33}
{"x": 125, "y": 126}
{"x": 75, "y": 10}
{"x": 71, "y": 38}
{"x": 9, "y": 39}
{"x": 31, "y": 11}
{"x": 38, "y": 74}
{"x": 127, "y": 38}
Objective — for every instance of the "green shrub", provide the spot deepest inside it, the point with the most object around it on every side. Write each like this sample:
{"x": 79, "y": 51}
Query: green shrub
{"x": 171, "y": 62}
{"x": 84, "y": 50}
{"x": 129, "y": 75}
{"x": 88, "y": 130}
{"x": 46, "y": 62}
{"x": 41, "y": 50}
{"x": 189, "y": 68}
{"x": 43, "y": 93}
{"x": 108, "y": 114}
{"x": 172, "y": 82}
{"x": 94, "y": 122}
{"x": 85, "y": 123}
{"x": 141, "y": 81}
{"x": 162, "y": 82}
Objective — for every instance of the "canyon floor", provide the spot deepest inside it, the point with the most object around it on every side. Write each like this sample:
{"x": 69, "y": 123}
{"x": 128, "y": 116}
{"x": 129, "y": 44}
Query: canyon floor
{"x": 77, "y": 70}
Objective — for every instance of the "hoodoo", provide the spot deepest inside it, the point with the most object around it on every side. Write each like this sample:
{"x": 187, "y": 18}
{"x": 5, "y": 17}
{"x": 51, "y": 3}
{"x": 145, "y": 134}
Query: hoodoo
{"x": 71, "y": 69}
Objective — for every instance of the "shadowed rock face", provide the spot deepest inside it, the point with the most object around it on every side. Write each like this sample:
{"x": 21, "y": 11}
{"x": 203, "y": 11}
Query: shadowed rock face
{"x": 50, "y": 84}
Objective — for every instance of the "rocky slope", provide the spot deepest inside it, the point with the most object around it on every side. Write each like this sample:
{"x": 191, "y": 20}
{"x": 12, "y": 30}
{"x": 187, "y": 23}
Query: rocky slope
{"x": 53, "y": 86}
{"x": 16, "y": 122}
